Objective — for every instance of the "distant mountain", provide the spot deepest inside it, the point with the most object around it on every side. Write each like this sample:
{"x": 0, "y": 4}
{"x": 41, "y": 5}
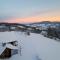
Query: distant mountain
{"x": 45, "y": 22}
{"x": 11, "y": 24}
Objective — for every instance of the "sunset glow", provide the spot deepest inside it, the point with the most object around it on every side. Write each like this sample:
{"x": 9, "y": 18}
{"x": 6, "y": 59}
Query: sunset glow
{"x": 26, "y": 11}
{"x": 34, "y": 19}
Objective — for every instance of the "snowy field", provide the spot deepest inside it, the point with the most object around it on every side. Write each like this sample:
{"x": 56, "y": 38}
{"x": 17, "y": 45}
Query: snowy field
{"x": 35, "y": 47}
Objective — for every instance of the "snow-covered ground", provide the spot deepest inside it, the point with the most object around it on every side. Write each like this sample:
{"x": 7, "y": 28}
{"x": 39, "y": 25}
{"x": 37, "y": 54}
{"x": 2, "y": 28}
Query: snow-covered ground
{"x": 36, "y": 47}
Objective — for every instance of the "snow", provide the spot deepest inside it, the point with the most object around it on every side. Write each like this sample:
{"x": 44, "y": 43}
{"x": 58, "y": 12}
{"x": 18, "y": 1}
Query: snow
{"x": 36, "y": 47}
{"x": 11, "y": 46}
{"x": 7, "y": 37}
{"x": 1, "y": 49}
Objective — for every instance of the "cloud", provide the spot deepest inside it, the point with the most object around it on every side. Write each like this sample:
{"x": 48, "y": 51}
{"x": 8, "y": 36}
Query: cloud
{"x": 32, "y": 16}
{"x": 50, "y": 12}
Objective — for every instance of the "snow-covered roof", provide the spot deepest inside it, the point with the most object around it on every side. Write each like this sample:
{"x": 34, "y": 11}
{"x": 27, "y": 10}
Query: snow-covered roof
{"x": 11, "y": 46}
{"x": 7, "y": 37}
{"x": 7, "y": 46}
{"x": 1, "y": 49}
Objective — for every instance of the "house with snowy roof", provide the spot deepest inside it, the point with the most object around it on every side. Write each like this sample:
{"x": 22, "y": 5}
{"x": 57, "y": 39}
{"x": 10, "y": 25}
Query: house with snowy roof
{"x": 8, "y": 44}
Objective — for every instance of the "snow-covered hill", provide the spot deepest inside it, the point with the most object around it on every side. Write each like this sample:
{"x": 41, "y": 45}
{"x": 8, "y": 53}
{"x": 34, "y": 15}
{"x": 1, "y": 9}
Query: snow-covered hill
{"x": 36, "y": 47}
{"x": 45, "y": 24}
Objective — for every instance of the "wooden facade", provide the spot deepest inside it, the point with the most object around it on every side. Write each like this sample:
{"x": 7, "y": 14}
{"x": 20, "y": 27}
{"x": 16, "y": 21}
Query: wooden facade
{"x": 9, "y": 50}
{"x": 6, "y": 53}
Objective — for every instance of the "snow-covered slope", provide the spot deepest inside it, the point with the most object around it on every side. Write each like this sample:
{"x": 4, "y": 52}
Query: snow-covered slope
{"x": 35, "y": 47}
{"x": 7, "y": 37}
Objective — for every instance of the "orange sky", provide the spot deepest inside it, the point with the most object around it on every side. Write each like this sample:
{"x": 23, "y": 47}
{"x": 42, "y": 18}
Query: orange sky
{"x": 34, "y": 19}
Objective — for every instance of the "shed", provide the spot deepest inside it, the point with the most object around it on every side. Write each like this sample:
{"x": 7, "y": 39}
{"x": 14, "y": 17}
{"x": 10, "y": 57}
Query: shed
{"x": 8, "y": 48}
{"x": 8, "y": 51}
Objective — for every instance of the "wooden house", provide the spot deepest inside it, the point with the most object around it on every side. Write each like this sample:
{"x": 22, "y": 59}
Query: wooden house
{"x": 8, "y": 44}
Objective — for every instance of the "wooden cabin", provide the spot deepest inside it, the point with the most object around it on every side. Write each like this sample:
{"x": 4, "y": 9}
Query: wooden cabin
{"x": 8, "y": 44}
{"x": 8, "y": 50}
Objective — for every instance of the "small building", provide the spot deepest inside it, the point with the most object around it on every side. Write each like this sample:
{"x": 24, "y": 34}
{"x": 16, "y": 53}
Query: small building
{"x": 8, "y": 44}
{"x": 8, "y": 49}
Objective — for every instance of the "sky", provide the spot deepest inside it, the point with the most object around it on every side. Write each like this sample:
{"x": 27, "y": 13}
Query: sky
{"x": 25, "y": 11}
